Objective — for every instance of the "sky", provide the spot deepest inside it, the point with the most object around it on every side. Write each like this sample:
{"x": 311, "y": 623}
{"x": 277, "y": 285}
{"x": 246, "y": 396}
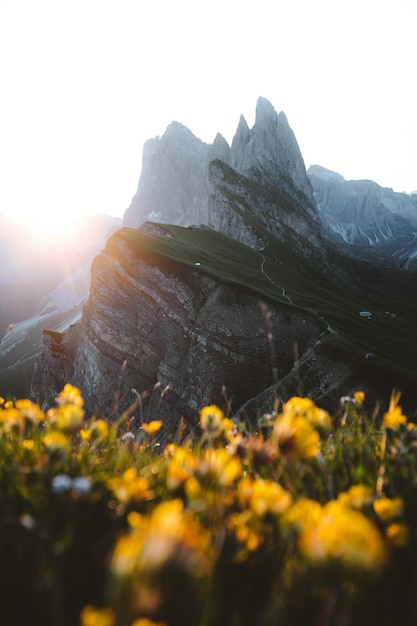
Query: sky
{"x": 84, "y": 83}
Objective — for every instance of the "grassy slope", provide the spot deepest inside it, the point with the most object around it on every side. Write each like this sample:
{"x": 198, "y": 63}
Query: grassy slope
{"x": 391, "y": 339}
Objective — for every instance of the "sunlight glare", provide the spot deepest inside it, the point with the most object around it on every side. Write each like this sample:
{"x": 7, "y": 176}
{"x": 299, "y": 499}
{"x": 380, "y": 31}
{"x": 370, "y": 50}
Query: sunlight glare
{"x": 47, "y": 227}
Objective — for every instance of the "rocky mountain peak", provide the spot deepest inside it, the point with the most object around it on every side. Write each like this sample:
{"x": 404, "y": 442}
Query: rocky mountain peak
{"x": 219, "y": 149}
{"x": 174, "y": 186}
{"x": 270, "y": 150}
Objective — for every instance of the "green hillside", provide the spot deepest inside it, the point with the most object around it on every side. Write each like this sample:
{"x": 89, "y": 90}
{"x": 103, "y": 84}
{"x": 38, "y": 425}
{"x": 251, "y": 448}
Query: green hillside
{"x": 335, "y": 299}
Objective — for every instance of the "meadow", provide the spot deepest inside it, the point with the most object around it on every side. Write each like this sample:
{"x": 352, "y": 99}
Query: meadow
{"x": 300, "y": 518}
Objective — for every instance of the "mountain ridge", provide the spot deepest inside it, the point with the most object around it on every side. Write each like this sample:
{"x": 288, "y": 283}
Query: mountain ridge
{"x": 177, "y": 304}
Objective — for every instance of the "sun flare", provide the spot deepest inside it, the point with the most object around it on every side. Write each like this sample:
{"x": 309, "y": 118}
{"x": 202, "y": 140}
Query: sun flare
{"x": 47, "y": 227}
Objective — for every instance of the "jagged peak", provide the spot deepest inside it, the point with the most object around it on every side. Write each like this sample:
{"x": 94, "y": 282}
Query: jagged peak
{"x": 242, "y": 135}
{"x": 219, "y": 149}
{"x": 264, "y": 111}
{"x": 177, "y": 130}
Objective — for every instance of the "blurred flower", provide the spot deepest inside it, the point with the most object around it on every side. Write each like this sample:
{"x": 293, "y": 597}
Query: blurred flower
{"x": 301, "y": 512}
{"x": 210, "y": 420}
{"x": 61, "y": 483}
{"x": 57, "y": 442}
{"x": 152, "y": 427}
{"x": 388, "y": 509}
{"x": 67, "y": 417}
{"x": 169, "y": 533}
{"x": 357, "y": 497}
{"x": 90, "y": 616}
{"x": 27, "y": 521}
{"x": 218, "y": 467}
{"x": 30, "y": 411}
{"x": 130, "y": 487}
{"x": 359, "y": 397}
{"x": 81, "y": 485}
{"x": 304, "y": 407}
{"x": 11, "y": 418}
{"x": 70, "y": 395}
{"x": 295, "y": 437}
{"x": 99, "y": 429}
{"x": 397, "y": 534}
{"x": 394, "y": 416}
{"x": 268, "y": 497}
{"x": 344, "y": 536}
{"x": 85, "y": 434}
{"x": 181, "y": 465}
{"x": 28, "y": 444}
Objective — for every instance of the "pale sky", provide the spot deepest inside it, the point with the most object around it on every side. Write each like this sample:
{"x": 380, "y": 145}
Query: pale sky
{"x": 84, "y": 83}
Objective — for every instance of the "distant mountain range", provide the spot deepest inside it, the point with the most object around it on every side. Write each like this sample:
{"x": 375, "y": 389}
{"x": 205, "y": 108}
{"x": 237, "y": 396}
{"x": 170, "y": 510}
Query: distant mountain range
{"x": 373, "y": 219}
{"x": 239, "y": 275}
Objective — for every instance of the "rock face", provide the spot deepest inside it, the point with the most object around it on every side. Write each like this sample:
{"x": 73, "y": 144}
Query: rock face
{"x": 173, "y": 327}
{"x": 363, "y": 214}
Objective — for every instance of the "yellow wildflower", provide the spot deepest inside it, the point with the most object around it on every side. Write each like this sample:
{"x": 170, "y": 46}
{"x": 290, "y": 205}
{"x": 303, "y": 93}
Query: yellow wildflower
{"x": 343, "y": 536}
{"x": 85, "y": 434}
{"x": 211, "y": 420}
{"x": 152, "y": 427}
{"x": 130, "y": 487}
{"x": 296, "y": 438}
{"x": 227, "y": 427}
{"x": 11, "y": 419}
{"x": 90, "y": 616}
{"x": 304, "y": 407}
{"x": 268, "y": 497}
{"x": 67, "y": 417}
{"x": 180, "y": 467}
{"x": 169, "y": 533}
{"x": 359, "y": 397}
{"x": 298, "y": 514}
{"x": 30, "y": 411}
{"x": 220, "y": 466}
{"x": 56, "y": 442}
{"x": 394, "y": 416}
{"x": 357, "y": 497}
{"x": 99, "y": 429}
{"x": 70, "y": 395}
{"x": 388, "y": 509}
{"x": 28, "y": 444}
{"x": 397, "y": 534}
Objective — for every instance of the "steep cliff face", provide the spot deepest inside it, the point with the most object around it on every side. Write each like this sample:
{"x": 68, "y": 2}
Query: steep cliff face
{"x": 153, "y": 323}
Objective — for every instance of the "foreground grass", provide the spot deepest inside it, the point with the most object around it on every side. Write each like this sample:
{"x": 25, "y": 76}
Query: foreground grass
{"x": 301, "y": 519}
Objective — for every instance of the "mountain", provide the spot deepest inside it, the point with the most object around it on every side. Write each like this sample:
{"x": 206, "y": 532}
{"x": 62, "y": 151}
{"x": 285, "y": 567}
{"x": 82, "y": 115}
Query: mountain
{"x": 374, "y": 220}
{"x": 223, "y": 287}
{"x": 44, "y": 285}
{"x": 184, "y": 180}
